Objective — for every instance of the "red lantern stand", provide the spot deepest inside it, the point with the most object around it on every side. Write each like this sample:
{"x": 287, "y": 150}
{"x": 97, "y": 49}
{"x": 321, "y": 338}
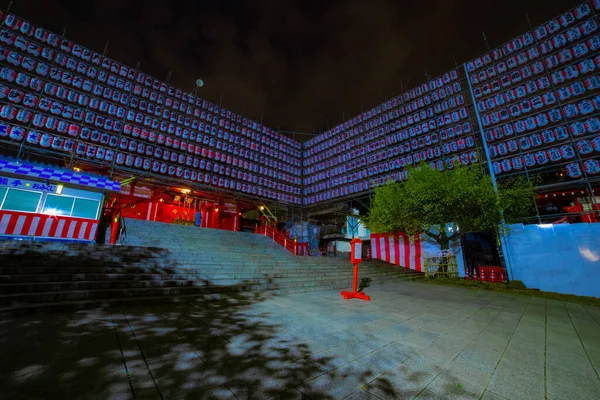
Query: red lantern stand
{"x": 355, "y": 258}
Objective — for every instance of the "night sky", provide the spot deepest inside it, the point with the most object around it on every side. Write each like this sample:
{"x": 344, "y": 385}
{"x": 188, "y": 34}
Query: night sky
{"x": 302, "y": 64}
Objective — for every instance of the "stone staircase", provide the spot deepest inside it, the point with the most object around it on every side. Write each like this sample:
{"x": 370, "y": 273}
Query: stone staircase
{"x": 166, "y": 262}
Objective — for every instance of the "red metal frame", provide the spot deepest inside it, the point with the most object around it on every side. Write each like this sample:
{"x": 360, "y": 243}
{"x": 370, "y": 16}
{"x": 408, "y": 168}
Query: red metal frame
{"x": 355, "y": 259}
{"x": 299, "y": 249}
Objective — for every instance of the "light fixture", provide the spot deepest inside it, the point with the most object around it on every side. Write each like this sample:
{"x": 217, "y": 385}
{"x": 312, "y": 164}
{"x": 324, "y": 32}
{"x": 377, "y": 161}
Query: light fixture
{"x": 261, "y": 208}
{"x": 59, "y": 189}
{"x": 76, "y": 169}
{"x": 161, "y": 200}
{"x": 216, "y": 210}
{"x": 185, "y": 191}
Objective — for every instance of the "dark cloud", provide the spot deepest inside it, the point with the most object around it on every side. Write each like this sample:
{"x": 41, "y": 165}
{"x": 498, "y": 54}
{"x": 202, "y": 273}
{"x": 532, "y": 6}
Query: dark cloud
{"x": 299, "y": 64}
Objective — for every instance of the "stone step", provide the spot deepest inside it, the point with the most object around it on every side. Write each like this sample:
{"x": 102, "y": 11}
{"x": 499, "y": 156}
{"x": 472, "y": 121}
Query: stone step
{"x": 110, "y": 266}
{"x": 191, "y": 263}
{"x": 11, "y": 284}
{"x": 175, "y": 281}
{"x": 44, "y": 283}
{"x": 98, "y": 273}
{"x": 112, "y": 292}
{"x": 63, "y": 306}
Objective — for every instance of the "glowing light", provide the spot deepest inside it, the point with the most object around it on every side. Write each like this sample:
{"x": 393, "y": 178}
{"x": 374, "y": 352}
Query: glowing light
{"x": 76, "y": 169}
{"x": 261, "y": 208}
{"x": 161, "y": 200}
{"x": 588, "y": 254}
{"x": 545, "y": 226}
{"x": 185, "y": 191}
{"x": 216, "y": 210}
{"x": 52, "y": 211}
{"x": 59, "y": 189}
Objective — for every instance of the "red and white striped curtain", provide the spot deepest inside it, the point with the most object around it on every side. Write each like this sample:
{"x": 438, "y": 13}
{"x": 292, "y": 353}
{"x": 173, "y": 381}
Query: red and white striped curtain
{"x": 398, "y": 249}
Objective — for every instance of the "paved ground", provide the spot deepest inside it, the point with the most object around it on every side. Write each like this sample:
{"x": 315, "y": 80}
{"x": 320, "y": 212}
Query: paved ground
{"x": 411, "y": 340}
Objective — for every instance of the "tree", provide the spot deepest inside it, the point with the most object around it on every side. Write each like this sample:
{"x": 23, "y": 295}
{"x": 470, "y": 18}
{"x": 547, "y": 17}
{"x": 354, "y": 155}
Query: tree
{"x": 464, "y": 197}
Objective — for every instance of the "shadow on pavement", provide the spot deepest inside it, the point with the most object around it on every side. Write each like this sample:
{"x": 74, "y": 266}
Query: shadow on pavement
{"x": 203, "y": 349}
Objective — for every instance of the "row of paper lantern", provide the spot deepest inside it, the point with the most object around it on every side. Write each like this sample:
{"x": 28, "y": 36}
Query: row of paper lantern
{"x": 549, "y": 28}
{"x": 591, "y": 167}
{"x": 577, "y": 128}
{"x": 536, "y": 158}
{"x": 411, "y": 119}
{"x": 543, "y": 158}
{"x": 569, "y": 111}
{"x": 548, "y": 97}
{"x": 584, "y": 146}
{"x": 534, "y": 104}
{"x": 67, "y": 77}
{"x": 358, "y": 144}
{"x": 394, "y": 108}
{"x": 557, "y": 78}
{"x": 375, "y": 164}
{"x": 95, "y": 152}
{"x": 31, "y": 100}
{"x": 327, "y": 194}
{"x": 389, "y": 141}
{"x": 53, "y": 124}
{"x": 536, "y": 68}
{"x": 78, "y": 82}
{"x": 67, "y": 111}
{"x": 359, "y": 148}
{"x": 573, "y": 35}
{"x": 338, "y": 192}
{"x": 525, "y": 143}
{"x": 429, "y": 123}
{"x": 406, "y": 97}
{"x": 25, "y": 81}
{"x": 43, "y": 36}
{"x": 424, "y": 127}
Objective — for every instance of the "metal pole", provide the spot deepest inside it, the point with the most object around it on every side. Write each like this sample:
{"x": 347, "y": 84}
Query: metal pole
{"x": 501, "y": 246}
{"x": 480, "y": 126}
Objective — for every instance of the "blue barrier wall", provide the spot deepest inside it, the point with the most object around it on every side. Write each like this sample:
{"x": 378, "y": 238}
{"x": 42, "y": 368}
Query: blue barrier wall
{"x": 563, "y": 258}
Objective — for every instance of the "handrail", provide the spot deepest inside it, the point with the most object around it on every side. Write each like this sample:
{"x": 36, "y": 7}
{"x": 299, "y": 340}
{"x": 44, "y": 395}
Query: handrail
{"x": 298, "y": 249}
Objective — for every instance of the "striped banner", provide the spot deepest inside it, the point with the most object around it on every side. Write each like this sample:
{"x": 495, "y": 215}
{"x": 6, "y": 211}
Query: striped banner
{"x": 397, "y": 249}
{"x": 15, "y": 223}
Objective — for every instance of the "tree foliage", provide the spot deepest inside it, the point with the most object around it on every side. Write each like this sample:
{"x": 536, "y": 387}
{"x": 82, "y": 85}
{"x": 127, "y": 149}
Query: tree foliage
{"x": 430, "y": 199}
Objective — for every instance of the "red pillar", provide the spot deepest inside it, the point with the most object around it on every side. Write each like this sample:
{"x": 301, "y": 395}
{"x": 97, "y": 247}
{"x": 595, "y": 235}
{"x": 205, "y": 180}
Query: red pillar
{"x": 215, "y": 218}
{"x": 114, "y": 229}
{"x": 236, "y": 220}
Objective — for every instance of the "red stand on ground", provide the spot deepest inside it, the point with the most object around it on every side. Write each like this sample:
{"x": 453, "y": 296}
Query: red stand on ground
{"x": 355, "y": 294}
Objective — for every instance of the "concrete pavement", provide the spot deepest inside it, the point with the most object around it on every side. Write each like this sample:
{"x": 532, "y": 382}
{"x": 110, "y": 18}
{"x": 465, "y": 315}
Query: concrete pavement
{"x": 413, "y": 340}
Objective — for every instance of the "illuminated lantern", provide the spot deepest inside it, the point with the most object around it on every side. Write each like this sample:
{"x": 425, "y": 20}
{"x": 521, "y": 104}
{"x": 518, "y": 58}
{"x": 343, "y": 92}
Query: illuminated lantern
{"x": 591, "y": 166}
